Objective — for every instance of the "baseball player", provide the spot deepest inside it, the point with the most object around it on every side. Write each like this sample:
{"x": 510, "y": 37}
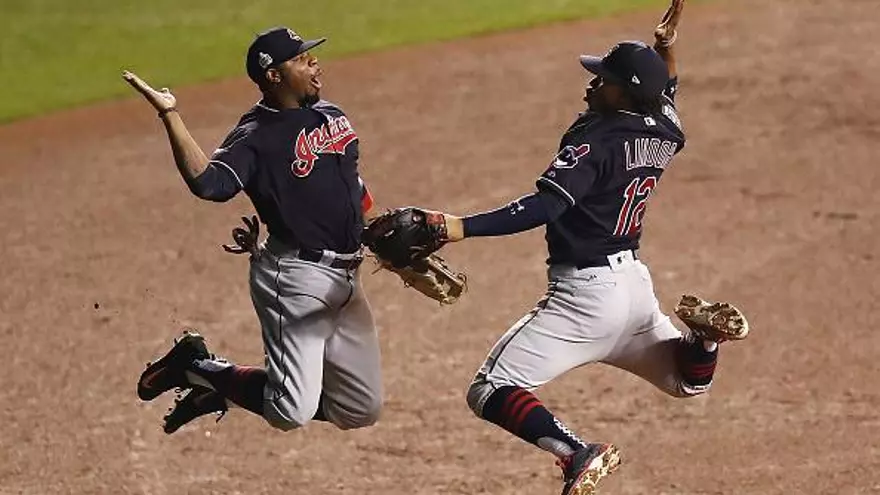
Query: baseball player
{"x": 296, "y": 157}
{"x": 600, "y": 304}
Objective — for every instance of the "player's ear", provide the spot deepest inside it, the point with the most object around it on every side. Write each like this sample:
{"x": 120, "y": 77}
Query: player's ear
{"x": 273, "y": 75}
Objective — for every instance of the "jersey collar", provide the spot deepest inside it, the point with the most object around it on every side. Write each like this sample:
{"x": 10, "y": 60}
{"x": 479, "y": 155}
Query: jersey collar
{"x": 262, "y": 104}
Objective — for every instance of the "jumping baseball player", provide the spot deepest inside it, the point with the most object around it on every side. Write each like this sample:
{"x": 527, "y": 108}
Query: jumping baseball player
{"x": 600, "y": 304}
{"x": 296, "y": 157}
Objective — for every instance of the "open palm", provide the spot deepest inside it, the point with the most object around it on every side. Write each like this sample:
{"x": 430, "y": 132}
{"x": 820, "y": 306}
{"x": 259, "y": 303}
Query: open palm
{"x": 666, "y": 29}
{"x": 161, "y": 100}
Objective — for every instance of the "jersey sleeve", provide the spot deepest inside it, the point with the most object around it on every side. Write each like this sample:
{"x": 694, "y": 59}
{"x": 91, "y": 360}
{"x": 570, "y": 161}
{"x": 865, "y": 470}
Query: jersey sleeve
{"x": 669, "y": 110}
{"x": 214, "y": 184}
{"x": 572, "y": 172}
{"x": 236, "y": 156}
{"x": 671, "y": 89}
{"x": 366, "y": 196}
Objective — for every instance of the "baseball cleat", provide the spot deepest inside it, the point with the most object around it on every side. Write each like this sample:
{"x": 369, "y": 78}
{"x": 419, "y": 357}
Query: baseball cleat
{"x": 169, "y": 371}
{"x": 717, "y": 322}
{"x": 195, "y": 402}
{"x": 584, "y": 469}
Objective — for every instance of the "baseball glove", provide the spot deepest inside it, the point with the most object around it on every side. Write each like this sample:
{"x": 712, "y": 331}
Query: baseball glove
{"x": 405, "y": 241}
{"x": 246, "y": 240}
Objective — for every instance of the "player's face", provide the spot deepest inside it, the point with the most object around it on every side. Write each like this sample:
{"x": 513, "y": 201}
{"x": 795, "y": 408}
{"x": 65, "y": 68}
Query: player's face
{"x": 602, "y": 96}
{"x": 300, "y": 76}
{"x": 595, "y": 95}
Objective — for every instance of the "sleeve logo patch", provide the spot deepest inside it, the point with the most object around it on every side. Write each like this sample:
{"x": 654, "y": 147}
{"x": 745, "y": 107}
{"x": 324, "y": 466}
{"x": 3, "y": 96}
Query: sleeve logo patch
{"x": 568, "y": 157}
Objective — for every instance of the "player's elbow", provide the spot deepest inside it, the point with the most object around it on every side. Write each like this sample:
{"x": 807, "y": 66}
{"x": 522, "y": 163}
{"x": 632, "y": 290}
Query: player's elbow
{"x": 217, "y": 199}
{"x": 210, "y": 194}
{"x": 213, "y": 185}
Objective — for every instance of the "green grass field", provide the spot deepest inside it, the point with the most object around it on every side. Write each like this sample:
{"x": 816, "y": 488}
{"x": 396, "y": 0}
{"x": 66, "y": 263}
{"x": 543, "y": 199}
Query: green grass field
{"x": 60, "y": 53}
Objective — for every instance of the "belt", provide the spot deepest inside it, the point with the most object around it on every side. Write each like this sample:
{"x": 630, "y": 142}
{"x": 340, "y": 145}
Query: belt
{"x": 608, "y": 260}
{"x": 326, "y": 258}
{"x": 317, "y": 256}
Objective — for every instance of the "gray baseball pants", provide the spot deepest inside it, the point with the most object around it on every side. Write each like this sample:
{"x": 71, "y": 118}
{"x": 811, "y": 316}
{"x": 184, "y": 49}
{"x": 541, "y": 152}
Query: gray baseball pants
{"x": 602, "y": 314}
{"x": 319, "y": 337}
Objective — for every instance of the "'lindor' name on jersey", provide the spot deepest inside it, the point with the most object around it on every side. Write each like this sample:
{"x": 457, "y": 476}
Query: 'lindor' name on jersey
{"x": 648, "y": 152}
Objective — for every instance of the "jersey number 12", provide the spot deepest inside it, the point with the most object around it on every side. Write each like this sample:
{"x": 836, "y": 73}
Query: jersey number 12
{"x": 635, "y": 199}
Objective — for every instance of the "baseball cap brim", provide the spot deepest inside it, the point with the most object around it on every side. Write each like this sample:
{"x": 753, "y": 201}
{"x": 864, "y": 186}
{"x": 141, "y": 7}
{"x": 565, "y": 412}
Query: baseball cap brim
{"x": 595, "y": 65}
{"x": 309, "y": 44}
{"x": 304, "y": 47}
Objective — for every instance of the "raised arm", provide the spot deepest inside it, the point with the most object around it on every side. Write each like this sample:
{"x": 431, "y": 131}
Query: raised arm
{"x": 190, "y": 159}
{"x": 666, "y": 34}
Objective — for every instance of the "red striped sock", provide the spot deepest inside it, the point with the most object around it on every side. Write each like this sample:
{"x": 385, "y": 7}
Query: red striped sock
{"x": 695, "y": 364}
{"x": 242, "y": 385}
{"x": 518, "y": 411}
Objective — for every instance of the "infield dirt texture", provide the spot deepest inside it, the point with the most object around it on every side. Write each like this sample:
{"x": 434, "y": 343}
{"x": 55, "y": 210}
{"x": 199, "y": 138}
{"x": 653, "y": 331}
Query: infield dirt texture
{"x": 773, "y": 205}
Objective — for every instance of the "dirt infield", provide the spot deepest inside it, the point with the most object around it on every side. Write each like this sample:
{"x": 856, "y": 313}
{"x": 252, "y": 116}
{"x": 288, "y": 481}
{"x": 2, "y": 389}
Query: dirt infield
{"x": 773, "y": 205}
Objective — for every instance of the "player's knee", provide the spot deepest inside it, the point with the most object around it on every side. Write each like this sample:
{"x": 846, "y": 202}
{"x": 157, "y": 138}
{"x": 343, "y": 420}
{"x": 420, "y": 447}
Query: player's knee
{"x": 281, "y": 414}
{"x": 347, "y": 418}
{"x": 478, "y": 393}
{"x": 281, "y": 421}
{"x": 358, "y": 420}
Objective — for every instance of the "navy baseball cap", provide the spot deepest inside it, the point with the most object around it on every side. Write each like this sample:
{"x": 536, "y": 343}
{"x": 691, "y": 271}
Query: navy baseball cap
{"x": 633, "y": 65}
{"x": 274, "y": 47}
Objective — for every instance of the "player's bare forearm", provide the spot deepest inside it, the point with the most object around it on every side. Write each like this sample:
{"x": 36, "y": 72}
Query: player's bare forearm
{"x": 191, "y": 160}
{"x": 667, "y": 53}
{"x": 188, "y": 155}
{"x": 666, "y": 34}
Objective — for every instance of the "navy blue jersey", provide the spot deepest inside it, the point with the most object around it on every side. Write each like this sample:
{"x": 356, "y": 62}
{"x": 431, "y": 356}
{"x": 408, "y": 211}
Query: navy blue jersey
{"x": 299, "y": 168}
{"x": 606, "y": 169}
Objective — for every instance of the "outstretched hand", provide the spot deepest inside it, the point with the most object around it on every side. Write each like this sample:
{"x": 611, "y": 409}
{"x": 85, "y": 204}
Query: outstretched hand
{"x": 163, "y": 101}
{"x": 665, "y": 33}
{"x": 246, "y": 241}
